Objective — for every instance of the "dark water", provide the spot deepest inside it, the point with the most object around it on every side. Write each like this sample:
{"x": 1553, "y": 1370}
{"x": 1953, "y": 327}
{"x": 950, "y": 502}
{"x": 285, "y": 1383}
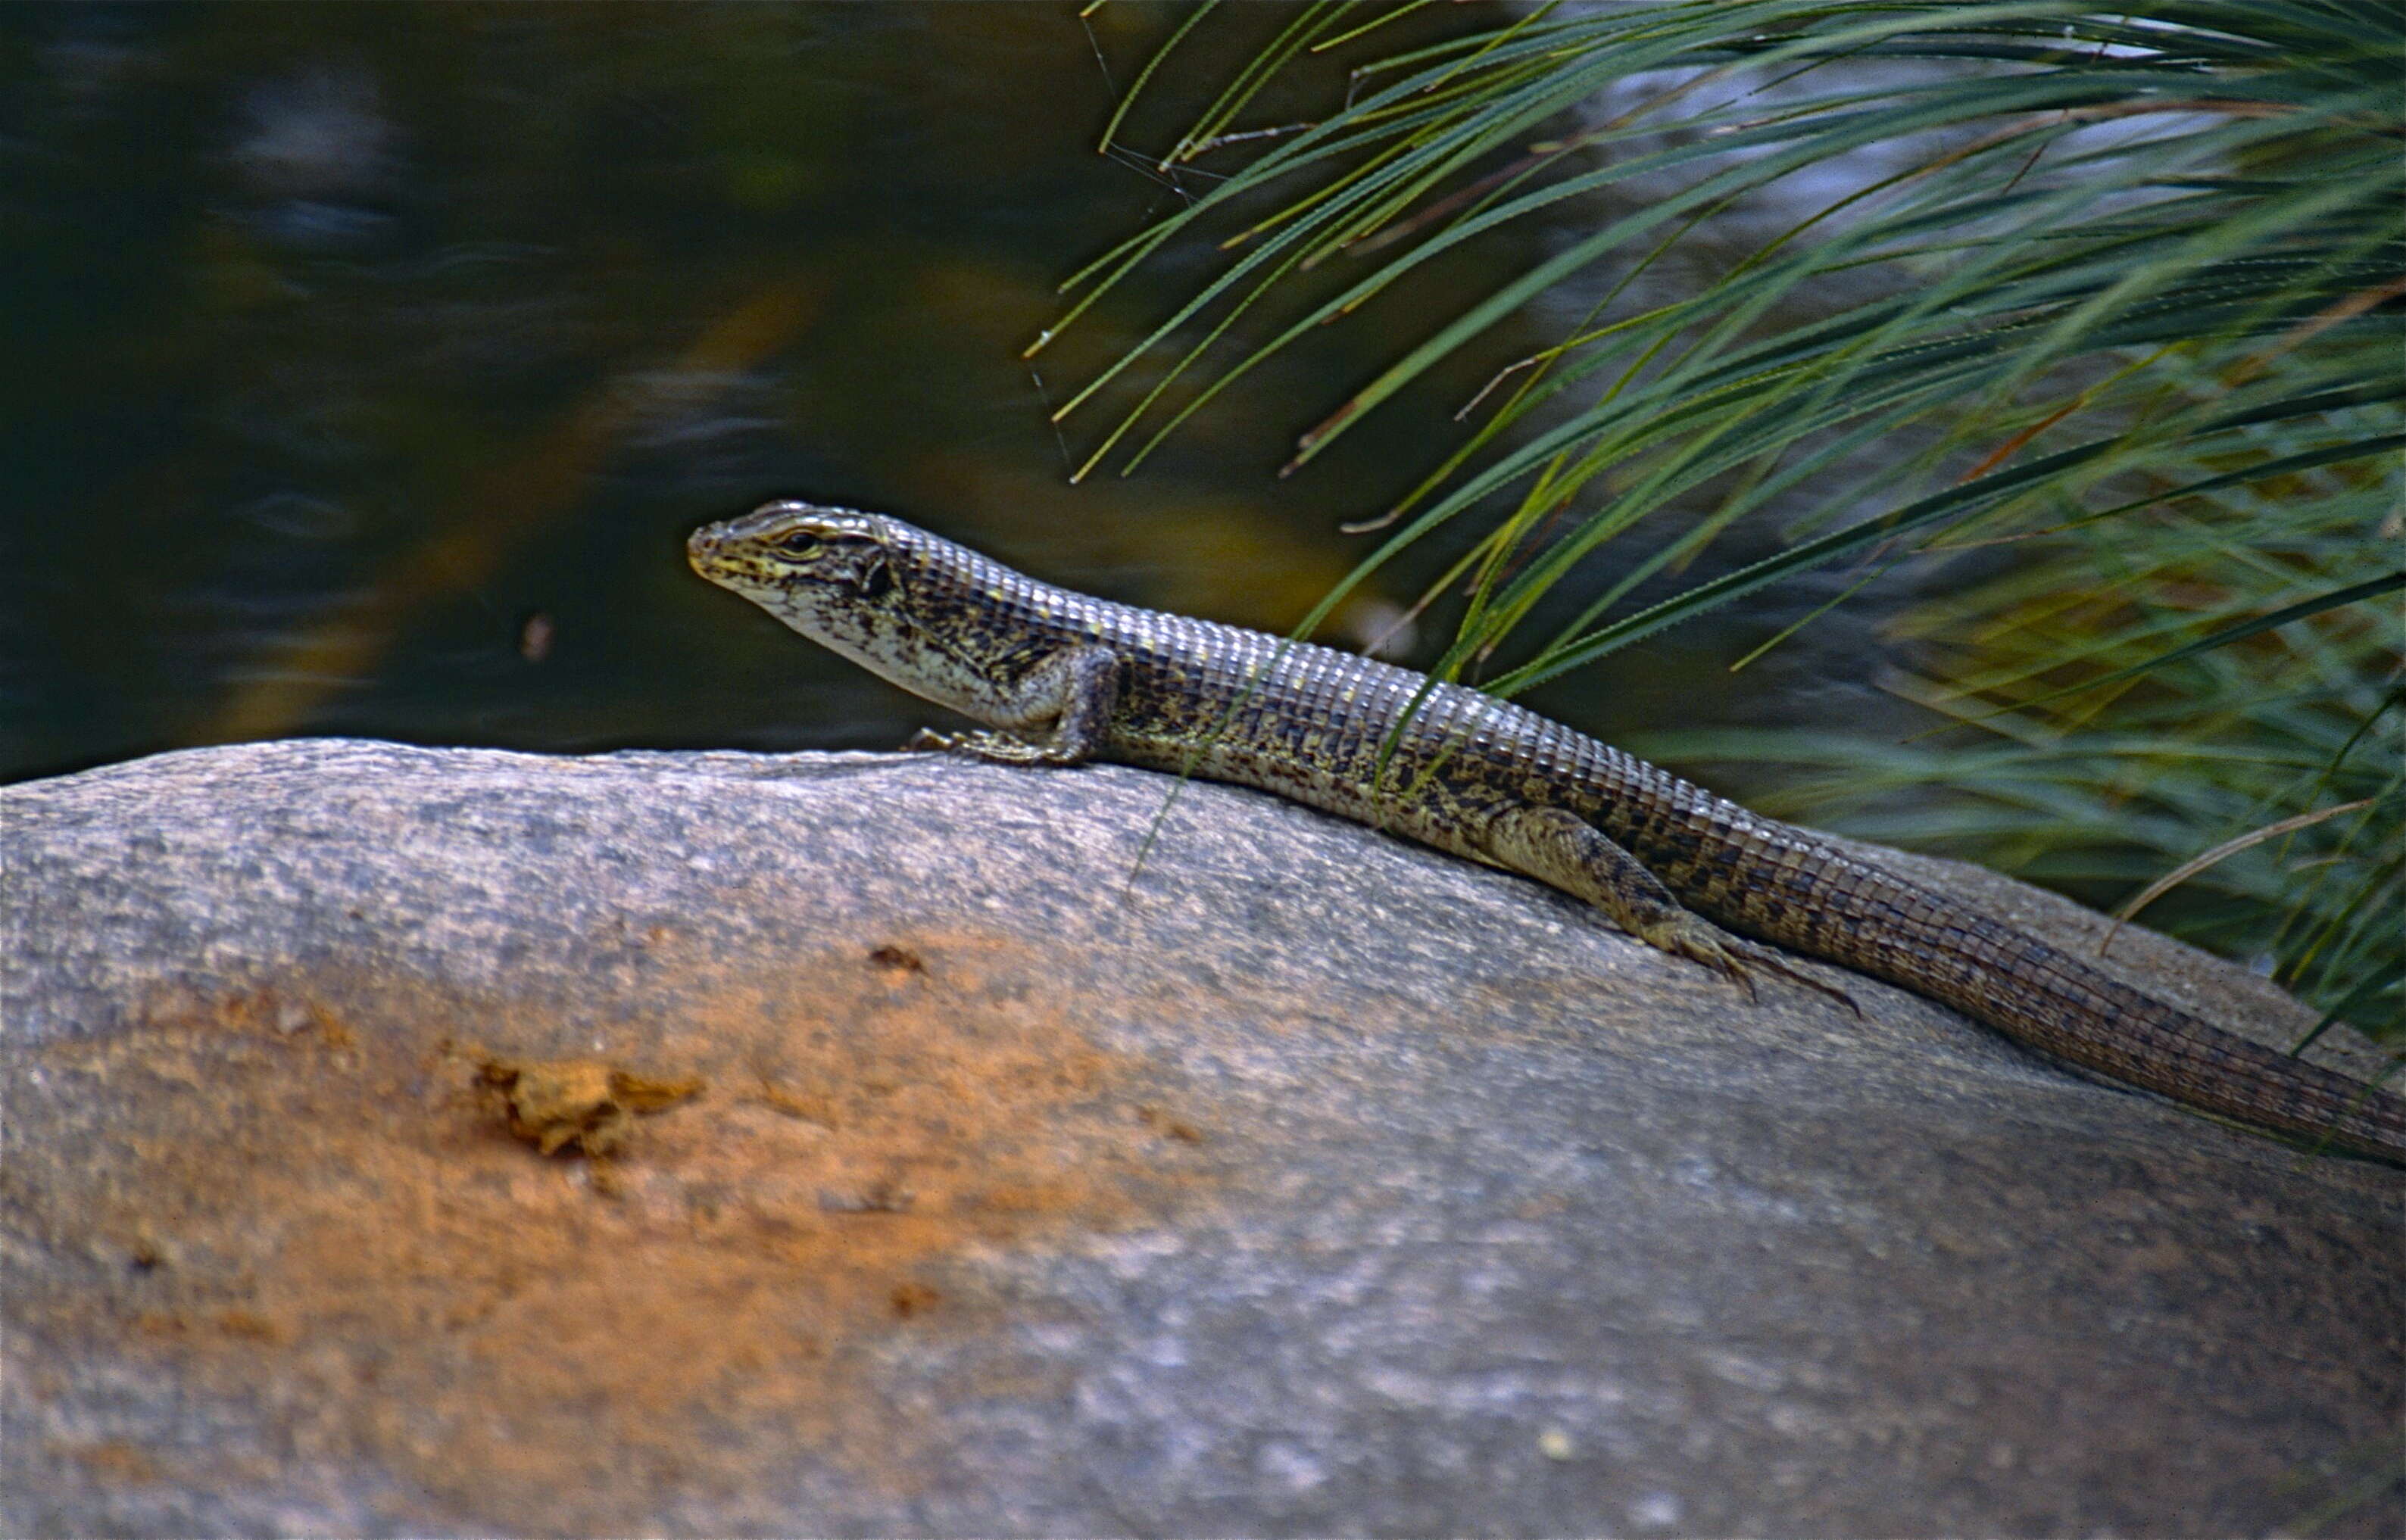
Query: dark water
{"x": 371, "y": 362}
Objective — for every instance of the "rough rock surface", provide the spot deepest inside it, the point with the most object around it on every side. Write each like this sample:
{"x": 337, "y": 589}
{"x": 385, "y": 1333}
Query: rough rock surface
{"x": 1300, "y": 1182}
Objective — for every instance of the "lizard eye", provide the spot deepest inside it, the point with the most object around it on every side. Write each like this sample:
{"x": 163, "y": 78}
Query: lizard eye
{"x": 800, "y": 543}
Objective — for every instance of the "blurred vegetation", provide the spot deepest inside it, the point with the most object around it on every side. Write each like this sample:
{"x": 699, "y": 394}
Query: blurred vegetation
{"x": 2080, "y": 329}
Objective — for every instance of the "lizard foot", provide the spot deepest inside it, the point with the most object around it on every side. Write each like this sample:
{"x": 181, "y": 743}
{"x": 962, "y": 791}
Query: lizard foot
{"x": 995, "y": 748}
{"x": 1771, "y": 961}
{"x": 1684, "y": 935}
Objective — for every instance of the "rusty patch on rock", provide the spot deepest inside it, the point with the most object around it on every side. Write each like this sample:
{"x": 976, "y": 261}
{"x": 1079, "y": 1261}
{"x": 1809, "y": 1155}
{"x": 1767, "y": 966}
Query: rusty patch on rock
{"x": 554, "y": 1103}
{"x": 301, "y": 1199}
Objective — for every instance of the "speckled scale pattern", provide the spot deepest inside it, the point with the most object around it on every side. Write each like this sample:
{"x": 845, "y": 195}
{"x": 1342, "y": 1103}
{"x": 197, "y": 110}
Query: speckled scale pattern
{"x": 1312, "y": 724}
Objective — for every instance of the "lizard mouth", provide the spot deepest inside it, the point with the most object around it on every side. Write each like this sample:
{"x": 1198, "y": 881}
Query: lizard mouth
{"x": 732, "y": 553}
{"x": 710, "y": 551}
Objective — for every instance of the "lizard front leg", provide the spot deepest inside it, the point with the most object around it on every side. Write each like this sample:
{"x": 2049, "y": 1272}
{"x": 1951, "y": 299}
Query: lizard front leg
{"x": 1562, "y": 850}
{"x": 1058, "y": 715}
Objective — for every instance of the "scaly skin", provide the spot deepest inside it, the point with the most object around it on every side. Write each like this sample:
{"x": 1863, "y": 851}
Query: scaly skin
{"x": 1067, "y": 678}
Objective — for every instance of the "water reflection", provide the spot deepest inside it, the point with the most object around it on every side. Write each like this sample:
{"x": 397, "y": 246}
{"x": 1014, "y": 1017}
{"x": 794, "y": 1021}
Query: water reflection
{"x": 379, "y": 358}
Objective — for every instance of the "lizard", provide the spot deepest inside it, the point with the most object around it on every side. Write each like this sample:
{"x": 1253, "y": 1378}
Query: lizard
{"x": 1059, "y": 678}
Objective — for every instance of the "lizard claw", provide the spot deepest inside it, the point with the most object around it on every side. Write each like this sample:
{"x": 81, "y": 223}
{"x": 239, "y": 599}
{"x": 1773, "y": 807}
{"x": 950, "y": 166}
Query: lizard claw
{"x": 1734, "y": 958}
{"x": 1769, "y": 961}
{"x": 995, "y": 748}
{"x": 1683, "y": 935}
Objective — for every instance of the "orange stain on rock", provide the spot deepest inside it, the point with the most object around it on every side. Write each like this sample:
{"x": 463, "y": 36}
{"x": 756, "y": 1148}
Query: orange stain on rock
{"x": 306, "y": 1199}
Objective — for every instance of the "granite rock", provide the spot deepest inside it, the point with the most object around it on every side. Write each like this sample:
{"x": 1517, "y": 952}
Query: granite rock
{"x": 1009, "y": 1152}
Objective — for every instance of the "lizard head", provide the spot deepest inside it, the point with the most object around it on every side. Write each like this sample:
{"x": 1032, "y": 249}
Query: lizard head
{"x": 800, "y": 562}
{"x": 856, "y": 583}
